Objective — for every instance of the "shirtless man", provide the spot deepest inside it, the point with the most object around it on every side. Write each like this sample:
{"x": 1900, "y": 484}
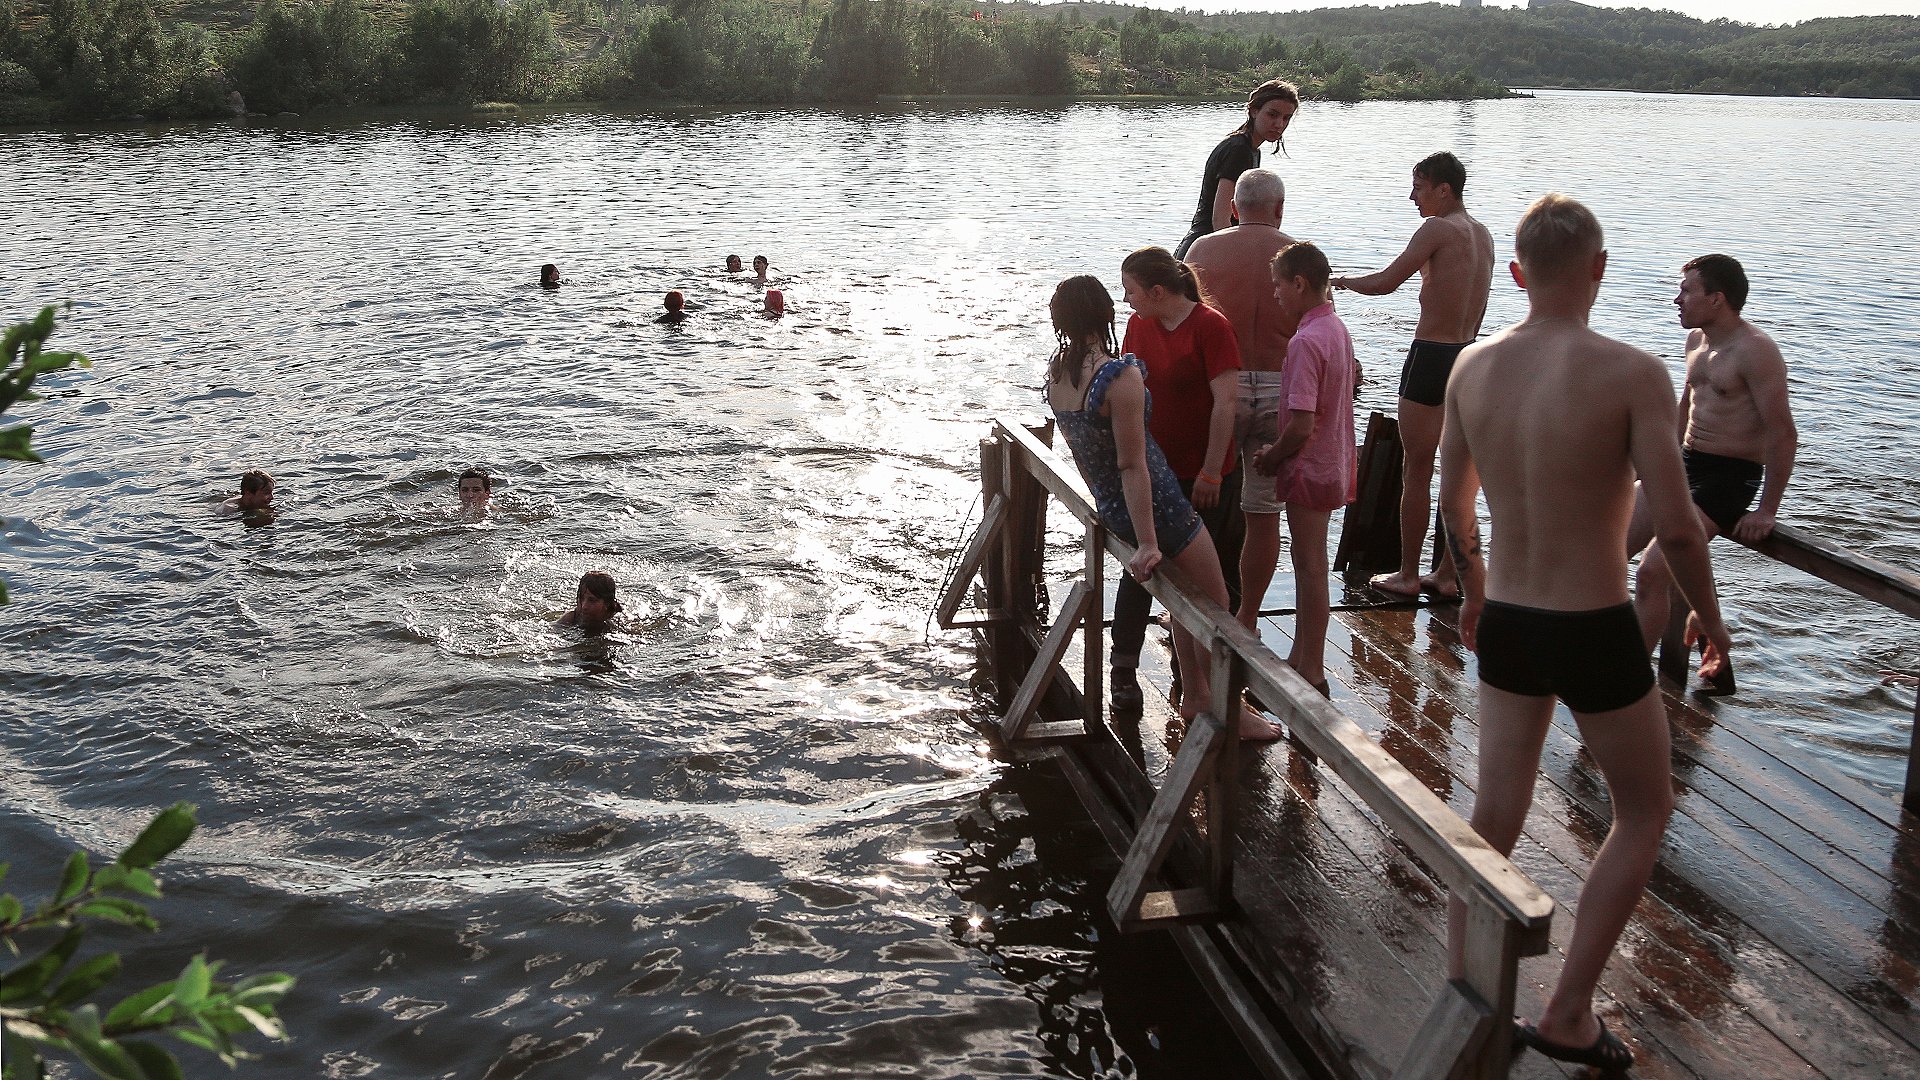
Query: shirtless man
{"x": 1233, "y": 265}
{"x": 1735, "y": 426}
{"x": 1454, "y": 255}
{"x": 255, "y": 498}
{"x": 1555, "y": 421}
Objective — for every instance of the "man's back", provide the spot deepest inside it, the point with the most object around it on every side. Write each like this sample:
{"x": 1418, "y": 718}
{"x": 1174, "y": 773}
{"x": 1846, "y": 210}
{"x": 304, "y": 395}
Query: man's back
{"x": 1233, "y": 269}
{"x": 1556, "y": 418}
{"x": 1457, "y": 279}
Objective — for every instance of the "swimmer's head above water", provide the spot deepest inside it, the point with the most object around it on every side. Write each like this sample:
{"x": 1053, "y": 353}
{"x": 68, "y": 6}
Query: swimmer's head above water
{"x": 549, "y": 276}
{"x": 476, "y": 487}
{"x": 595, "y": 602}
{"x": 733, "y": 264}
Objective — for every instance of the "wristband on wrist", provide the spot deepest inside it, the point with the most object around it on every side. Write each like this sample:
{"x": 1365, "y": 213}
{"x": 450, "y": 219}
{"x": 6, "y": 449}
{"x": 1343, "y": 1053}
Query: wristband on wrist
{"x": 1209, "y": 478}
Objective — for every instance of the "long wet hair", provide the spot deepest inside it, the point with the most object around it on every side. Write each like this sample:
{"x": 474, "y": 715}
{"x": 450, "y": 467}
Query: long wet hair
{"x": 1152, "y": 266}
{"x": 1082, "y": 309}
{"x": 1271, "y": 90}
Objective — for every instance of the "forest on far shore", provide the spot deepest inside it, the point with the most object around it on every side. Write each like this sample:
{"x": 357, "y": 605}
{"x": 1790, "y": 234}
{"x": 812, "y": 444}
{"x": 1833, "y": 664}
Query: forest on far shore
{"x": 78, "y": 60}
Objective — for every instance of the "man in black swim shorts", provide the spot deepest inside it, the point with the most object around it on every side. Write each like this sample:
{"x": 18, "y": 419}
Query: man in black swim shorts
{"x": 1738, "y": 437}
{"x": 1555, "y": 421}
{"x": 1454, "y": 256}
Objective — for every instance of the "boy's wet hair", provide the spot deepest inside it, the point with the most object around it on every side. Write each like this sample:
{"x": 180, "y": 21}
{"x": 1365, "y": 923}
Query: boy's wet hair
{"x": 1303, "y": 260}
{"x": 601, "y": 584}
{"x": 254, "y": 480}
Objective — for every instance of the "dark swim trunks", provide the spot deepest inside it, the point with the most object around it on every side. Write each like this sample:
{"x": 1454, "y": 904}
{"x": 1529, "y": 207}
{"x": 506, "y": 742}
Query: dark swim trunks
{"x": 1423, "y": 378}
{"x": 1595, "y": 661}
{"x": 1723, "y": 487}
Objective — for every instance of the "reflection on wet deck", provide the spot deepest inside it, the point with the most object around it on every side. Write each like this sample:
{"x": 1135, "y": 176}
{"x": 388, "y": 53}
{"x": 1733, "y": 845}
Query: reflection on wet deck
{"x": 1780, "y": 936}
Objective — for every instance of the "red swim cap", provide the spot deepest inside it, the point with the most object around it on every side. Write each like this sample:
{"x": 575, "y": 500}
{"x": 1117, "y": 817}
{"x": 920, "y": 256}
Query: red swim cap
{"x": 776, "y": 301}
{"x": 675, "y": 301}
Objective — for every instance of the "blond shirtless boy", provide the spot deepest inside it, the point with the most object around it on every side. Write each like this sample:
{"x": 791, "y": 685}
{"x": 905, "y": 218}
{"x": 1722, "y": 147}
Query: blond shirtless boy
{"x": 1555, "y": 421}
{"x": 1735, "y": 427}
{"x": 1454, "y": 255}
{"x": 1233, "y": 265}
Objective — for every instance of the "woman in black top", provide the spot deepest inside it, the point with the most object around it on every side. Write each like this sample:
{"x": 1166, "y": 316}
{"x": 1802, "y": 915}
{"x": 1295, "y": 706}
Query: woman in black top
{"x": 1269, "y": 109}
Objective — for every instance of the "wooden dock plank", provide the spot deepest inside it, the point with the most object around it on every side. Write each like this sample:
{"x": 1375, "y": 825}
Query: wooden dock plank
{"x": 1809, "y": 1008}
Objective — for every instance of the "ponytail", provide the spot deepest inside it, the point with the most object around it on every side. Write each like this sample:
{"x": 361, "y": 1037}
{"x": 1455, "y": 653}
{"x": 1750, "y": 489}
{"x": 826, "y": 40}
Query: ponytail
{"x": 1151, "y": 266}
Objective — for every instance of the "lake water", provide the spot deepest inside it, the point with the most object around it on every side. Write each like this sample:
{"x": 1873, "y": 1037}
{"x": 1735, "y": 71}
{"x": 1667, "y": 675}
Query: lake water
{"x": 756, "y": 832}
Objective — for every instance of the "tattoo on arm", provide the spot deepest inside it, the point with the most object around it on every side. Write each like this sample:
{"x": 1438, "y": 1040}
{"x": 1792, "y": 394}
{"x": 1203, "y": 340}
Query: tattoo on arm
{"x": 1463, "y": 549}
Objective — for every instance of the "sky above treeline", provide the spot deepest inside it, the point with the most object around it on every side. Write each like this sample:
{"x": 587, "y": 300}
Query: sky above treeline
{"x": 1759, "y": 12}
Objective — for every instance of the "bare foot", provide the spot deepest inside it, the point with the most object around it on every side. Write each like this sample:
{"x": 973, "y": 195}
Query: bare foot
{"x": 1440, "y": 588}
{"x": 1396, "y": 585}
{"x": 1257, "y": 728}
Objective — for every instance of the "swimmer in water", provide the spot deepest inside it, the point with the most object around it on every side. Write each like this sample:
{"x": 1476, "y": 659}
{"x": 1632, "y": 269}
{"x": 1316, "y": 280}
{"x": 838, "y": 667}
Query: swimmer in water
{"x": 776, "y": 304}
{"x": 676, "y": 309}
{"x": 733, "y": 264}
{"x": 476, "y": 488}
{"x": 255, "y": 498}
{"x": 549, "y": 276}
{"x": 760, "y": 268}
{"x": 594, "y": 603}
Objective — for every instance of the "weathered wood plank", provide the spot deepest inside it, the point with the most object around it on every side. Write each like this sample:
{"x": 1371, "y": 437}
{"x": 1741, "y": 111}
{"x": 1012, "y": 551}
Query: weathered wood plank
{"x": 1155, "y": 838}
{"x": 1455, "y": 1029}
{"x": 1811, "y": 1002}
{"x": 984, "y": 538}
{"x": 1876, "y": 580}
{"x": 1046, "y": 663}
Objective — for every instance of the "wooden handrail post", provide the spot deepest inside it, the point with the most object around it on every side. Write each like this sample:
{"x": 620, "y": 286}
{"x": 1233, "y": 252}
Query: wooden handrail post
{"x": 1911, "y": 798}
{"x": 1093, "y": 672}
{"x": 994, "y": 461}
{"x": 1229, "y": 682}
{"x": 1492, "y": 962}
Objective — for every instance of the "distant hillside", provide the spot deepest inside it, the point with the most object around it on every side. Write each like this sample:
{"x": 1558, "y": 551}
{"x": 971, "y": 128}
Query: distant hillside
{"x": 1576, "y": 45}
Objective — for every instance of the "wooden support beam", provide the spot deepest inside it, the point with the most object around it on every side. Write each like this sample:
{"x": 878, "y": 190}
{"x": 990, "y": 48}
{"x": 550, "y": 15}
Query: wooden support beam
{"x": 1492, "y": 964}
{"x": 1911, "y": 798}
{"x": 1192, "y": 767}
{"x": 1455, "y": 1029}
{"x": 1041, "y": 671}
{"x": 1223, "y": 784}
{"x": 1874, "y": 579}
{"x": 1093, "y": 638}
{"x": 984, "y": 540}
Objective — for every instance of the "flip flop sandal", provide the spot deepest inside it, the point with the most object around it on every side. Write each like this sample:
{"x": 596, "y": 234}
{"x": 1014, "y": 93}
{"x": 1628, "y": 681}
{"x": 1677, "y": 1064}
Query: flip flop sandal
{"x": 1607, "y": 1053}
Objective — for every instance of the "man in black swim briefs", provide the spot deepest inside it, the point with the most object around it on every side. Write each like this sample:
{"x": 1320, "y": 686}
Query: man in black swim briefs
{"x": 1454, "y": 256}
{"x": 1736, "y": 427}
{"x": 1555, "y": 421}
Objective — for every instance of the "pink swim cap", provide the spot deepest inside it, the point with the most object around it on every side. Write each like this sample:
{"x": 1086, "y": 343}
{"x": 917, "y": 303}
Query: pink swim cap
{"x": 776, "y": 301}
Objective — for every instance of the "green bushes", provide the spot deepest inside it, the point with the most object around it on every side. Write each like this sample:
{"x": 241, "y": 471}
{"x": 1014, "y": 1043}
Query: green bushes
{"x": 116, "y": 58}
{"x": 302, "y": 56}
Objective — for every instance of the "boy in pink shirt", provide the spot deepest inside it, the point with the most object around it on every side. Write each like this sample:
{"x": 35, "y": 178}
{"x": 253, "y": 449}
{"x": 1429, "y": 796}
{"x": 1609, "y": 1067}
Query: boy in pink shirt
{"x": 1314, "y": 459}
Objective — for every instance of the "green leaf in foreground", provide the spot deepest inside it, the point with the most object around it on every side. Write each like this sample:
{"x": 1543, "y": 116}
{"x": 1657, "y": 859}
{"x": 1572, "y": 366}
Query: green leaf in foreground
{"x": 162, "y": 836}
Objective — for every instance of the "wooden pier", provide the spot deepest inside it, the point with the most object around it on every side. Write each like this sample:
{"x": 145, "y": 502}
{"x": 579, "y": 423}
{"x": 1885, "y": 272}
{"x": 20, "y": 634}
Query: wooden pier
{"x": 1307, "y": 881}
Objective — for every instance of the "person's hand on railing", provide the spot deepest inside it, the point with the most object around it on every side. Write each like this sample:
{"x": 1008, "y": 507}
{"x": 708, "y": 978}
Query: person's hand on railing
{"x": 1145, "y": 559}
{"x": 1753, "y": 527}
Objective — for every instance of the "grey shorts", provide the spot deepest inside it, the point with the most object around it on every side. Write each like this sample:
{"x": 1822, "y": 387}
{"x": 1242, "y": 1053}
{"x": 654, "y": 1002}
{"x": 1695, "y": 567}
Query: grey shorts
{"x": 1256, "y": 425}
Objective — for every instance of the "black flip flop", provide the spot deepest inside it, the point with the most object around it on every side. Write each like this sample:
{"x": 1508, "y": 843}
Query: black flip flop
{"x": 1607, "y": 1053}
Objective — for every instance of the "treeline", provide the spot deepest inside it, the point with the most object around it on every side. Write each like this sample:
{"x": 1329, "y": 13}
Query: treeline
{"x": 90, "y": 59}
{"x": 1576, "y": 45}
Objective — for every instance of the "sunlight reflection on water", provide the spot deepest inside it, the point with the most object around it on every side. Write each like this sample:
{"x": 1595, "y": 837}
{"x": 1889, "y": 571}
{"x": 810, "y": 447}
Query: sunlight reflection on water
{"x": 765, "y": 783}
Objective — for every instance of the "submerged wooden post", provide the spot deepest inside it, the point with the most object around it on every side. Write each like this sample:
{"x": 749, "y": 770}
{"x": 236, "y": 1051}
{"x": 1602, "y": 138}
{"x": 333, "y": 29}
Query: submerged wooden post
{"x": 1911, "y": 798}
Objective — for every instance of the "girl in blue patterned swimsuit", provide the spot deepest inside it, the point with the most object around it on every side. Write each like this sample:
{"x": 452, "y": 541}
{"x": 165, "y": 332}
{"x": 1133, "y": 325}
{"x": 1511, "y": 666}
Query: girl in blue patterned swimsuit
{"x": 1101, "y": 405}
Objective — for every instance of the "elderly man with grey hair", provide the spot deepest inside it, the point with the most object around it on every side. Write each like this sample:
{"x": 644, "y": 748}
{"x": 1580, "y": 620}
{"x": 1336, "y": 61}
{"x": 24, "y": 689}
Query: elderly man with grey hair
{"x": 1232, "y": 265}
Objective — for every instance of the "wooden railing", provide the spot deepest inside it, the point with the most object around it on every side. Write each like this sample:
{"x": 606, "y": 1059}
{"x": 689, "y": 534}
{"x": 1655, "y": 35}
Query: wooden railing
{"x": 1868, "y": 578}
{"x": 1465, "y": 1032}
